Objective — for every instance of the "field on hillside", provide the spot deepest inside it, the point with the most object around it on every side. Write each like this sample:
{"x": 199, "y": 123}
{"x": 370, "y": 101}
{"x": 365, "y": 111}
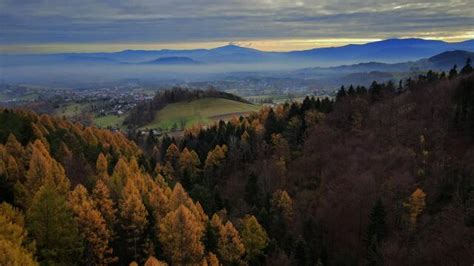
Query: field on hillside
{"x": 70, "y": 110}
{"x": 202, "y": 111}
{"x": 114, "y": 121}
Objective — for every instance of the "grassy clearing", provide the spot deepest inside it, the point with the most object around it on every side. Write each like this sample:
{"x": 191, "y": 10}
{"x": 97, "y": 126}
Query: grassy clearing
{"x": 109, "y": 121}
{"x": 202, "y": 111}
{"x": 71, "y": 110}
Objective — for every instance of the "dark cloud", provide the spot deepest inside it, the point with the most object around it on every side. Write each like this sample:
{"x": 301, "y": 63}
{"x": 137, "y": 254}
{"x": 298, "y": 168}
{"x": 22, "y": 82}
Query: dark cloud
{"x": 45, "y": 21}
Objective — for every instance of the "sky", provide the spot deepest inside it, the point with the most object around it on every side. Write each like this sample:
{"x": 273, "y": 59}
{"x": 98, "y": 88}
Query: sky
{"x": 31, "y": 26}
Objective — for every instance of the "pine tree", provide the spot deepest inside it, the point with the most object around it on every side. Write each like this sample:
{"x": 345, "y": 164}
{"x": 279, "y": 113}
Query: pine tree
{"x": 215, "y": 161}
{"x": 229, "y": 246}
{"x": 376, "y": 233}
{"x": 377, "y": 226}
{"x": 172, "y": 155}
{"x": 453, "y": 72}
{"x": 415, "y": 206}
{"x": 467, "y": 69}
{"x": 155, "y": 200}
{"x": 103, "y": 203}
{"x": 180, "y": 197}
{"x": 180, "y": 236}
{"x": 282, "y": 204}
{"x": 14, "y": 246}
{"x": 253, "y": 192}
{"x": 188, "y": 166}
{"x": 93, "y": 228}
{"x": 120, "y": 176}
{"x": 42, "y": 169}
{"x": 102, "y": 168}
{"x": 254, "y": 237}
{"x": 133, "y": 221}
{"x": 11, "y": 254}
{"x": 14, "y": 147}
{"x": 51, "y": 224}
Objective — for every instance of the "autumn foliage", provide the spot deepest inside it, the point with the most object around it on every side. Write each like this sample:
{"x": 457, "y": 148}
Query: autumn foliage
{"x": 381, "y": 175}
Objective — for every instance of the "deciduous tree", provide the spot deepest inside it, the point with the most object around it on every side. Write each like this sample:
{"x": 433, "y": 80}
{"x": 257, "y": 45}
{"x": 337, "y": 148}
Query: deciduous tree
{"x": 133, "y": 221}
{"x": 180, "y": 235}
{"x": 93, "y": 228}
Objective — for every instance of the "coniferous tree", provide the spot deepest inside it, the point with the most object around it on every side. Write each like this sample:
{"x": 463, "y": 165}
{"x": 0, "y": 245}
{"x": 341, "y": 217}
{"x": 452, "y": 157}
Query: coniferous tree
{"x": 50, "y": 222}
{"x": 103, "y": 203}
{"x": 43, "y": 169}
{"x": 94, "y": 229}
{"x": 415, "y": 206}
{"x": 229, "y": 245}
{"x": 376, "y": 233}
{"x": 102, "y": 168}
{"x": 14, "y": 249}
{"x": 133, "y": 222}
{"x": 119, "y": 177}
{"x": 467, "y": 69}
{"x": 377, "y": 225}
{"x": 453, "y": 72}
{"x": 254, "y": 237}
{"x": 180, "y": 236}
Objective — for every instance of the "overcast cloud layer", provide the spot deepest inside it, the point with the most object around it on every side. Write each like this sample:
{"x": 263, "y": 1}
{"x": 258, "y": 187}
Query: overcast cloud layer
{"x": 179, "y": 21}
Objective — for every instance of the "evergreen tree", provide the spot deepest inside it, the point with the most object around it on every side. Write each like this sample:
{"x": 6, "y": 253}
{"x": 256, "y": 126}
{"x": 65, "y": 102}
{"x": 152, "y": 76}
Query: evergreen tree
{"x": 467, "y": 69}
{"x": 51, "y": 224}
{"x": 252, "y": 191}
{"x": 377, "y": 226}
{"x": 376, "y": 233}
{"x": 341, "y": 93}
{"x": 254, "y": 237}
{"x": 453, "y": 72}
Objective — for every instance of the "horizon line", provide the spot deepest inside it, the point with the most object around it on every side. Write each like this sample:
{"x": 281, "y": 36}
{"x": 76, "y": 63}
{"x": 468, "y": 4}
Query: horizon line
{"x": 304, "y": 44}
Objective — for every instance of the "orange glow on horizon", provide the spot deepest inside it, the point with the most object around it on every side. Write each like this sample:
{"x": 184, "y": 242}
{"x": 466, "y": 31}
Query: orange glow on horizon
{"x": 263, "y": 45}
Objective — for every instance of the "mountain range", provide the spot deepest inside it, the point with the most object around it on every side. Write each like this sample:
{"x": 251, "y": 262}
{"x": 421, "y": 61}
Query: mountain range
{"x": 386, "y": 51}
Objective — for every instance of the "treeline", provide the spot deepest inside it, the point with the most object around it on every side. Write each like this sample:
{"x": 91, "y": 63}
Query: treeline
{"x": 384, "y": 175}
{"x": 116, "y": 211}
{"x": 145, "y": 113}
{"x": 375, "y": 178}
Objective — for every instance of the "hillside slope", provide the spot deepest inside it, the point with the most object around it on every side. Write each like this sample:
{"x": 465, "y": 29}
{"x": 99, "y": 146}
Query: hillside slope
{"x": 202, "y": 111}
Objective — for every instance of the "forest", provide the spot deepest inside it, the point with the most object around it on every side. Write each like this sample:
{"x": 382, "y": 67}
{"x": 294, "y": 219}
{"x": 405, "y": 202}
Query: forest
{"x": 382, "y": 175}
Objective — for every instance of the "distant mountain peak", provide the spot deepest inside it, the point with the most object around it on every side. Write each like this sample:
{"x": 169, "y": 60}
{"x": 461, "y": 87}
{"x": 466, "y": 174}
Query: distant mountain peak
{"x": 233, "y": 48}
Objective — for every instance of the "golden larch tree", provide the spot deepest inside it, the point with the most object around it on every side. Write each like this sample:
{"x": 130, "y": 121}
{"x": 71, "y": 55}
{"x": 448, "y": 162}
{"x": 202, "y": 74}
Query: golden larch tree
{"x": 93, "y": 227}
{"x": 119, "y": 177}
{"x": 101, "y": 168}
{"x": 415, "y": 206}
{"x": 180, "y": 236}
{"x": 133, "y": 221}
{"x": 229, "y": 246}
{"x": 103, "y": 203}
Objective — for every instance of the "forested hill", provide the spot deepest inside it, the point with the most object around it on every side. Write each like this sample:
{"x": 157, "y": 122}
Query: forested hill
{"x": 145, "y": 113}
{"x": 383, "y": 175}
